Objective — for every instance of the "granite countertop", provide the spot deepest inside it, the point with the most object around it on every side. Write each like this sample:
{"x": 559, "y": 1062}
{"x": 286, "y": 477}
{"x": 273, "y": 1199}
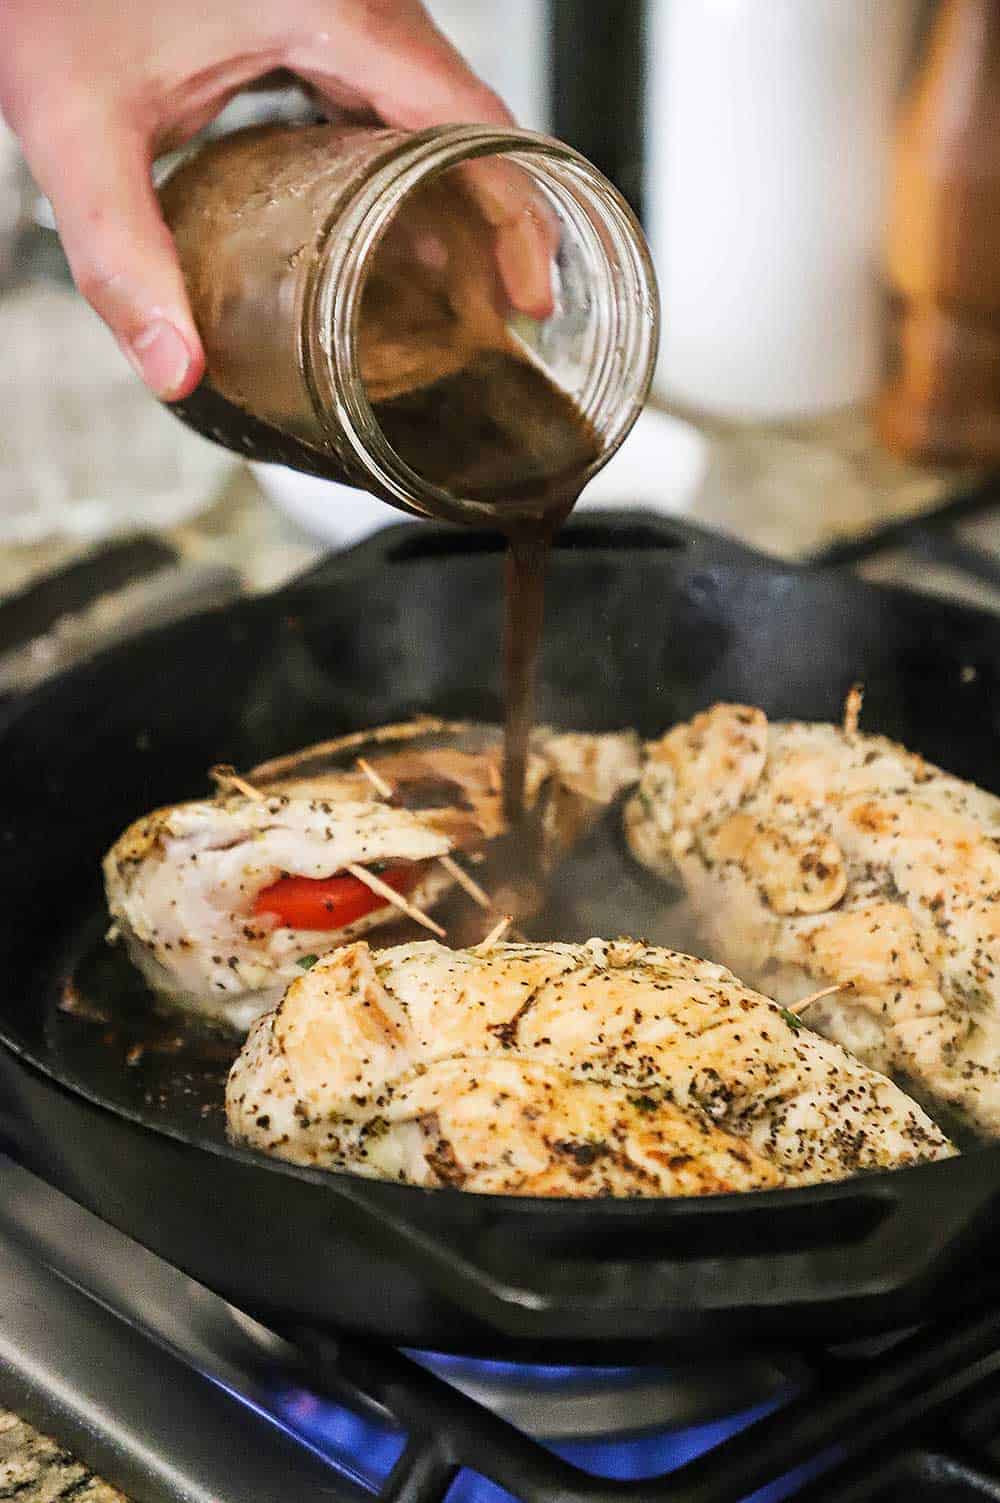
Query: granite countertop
{"x": 85, "y": 452}
{"x": 35, "y": 1469}
{"x": 787, "y": 489}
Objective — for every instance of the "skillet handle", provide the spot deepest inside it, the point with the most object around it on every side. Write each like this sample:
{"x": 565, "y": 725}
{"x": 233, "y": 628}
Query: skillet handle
{"x": 406, "y": 545}
{"x": 638, "y": 1271}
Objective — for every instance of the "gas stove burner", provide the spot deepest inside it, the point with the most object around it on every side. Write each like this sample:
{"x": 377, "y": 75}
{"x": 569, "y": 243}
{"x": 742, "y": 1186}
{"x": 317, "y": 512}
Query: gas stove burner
{"x": 564, "y": 1403}
{"x": 951, "y": 549}
{"x": 547, "y": 1400}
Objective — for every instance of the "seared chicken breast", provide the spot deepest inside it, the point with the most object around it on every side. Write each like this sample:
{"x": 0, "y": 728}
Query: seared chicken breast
{"x": 214, "y": 902}
{"x": 446, "y": 771}
{"x": 218, "y": 900}
{"x": 564, "y": 1070}
{"x": 451, "y": 773}
{"x": 817, "y": 856}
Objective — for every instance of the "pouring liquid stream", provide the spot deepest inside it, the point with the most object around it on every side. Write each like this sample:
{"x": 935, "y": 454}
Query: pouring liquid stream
{"x": 524, "y": 614}
{"x": 501, "y": 433}
{"x": 528, "y": 440}
{"x": 473, "y": 410}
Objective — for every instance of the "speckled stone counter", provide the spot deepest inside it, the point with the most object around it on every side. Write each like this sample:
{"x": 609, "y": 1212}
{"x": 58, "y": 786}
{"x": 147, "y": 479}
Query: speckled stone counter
{"x": 35, "y": 1469}
{"x": 786, "y": 489}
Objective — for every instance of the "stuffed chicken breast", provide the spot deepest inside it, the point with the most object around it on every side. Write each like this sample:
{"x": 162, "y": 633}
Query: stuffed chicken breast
{"x": 450, "y": 772}
{"x": 563, "y": 1070}
{"x": 818, "y": 856}
{"x": 218, "y": 900}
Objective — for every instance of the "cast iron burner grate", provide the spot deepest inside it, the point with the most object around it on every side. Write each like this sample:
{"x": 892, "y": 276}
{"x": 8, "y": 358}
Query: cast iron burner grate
{"x": 954, "y": 536}
{"x": 923, "y": 1415}
{"x": 169, "y": 1392}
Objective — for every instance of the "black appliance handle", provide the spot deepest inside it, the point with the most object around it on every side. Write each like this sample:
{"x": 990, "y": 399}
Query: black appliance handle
{"x": 601, "y": 530}
{"x": 770, "y": 1252}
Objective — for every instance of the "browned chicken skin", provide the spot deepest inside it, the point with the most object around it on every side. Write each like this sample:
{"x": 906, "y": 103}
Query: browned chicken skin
{"x": 815, "y": 855}
{"x": 563, "y": 1070}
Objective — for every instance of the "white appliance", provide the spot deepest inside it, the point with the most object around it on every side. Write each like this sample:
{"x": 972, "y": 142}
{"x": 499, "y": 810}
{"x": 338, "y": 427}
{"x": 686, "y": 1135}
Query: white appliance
{"x": 769, "y": 129}
{"x": 508, "y": 45}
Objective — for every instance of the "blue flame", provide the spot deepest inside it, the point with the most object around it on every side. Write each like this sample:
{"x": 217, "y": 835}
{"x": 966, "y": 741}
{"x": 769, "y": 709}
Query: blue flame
{"x": 368, "y": 1450}
{"x": 362, "y": 1447}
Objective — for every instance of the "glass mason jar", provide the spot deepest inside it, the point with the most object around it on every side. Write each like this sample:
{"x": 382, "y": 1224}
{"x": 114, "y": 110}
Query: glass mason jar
{"x": 462, "y": 321}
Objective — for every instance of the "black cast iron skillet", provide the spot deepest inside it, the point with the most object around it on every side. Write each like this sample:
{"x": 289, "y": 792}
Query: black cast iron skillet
{"x": 647, "y": 623}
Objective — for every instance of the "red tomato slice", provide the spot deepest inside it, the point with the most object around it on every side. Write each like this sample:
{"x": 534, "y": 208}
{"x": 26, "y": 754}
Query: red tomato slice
{"x": 329, "y": 902}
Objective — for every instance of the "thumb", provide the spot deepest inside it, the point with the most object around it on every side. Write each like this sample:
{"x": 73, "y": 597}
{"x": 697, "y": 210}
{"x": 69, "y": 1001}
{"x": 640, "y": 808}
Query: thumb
{"x": 120, "y": 251}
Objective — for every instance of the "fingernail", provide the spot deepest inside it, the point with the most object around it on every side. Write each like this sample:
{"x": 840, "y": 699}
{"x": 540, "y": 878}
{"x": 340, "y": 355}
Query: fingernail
{"x": 162, "y": 358}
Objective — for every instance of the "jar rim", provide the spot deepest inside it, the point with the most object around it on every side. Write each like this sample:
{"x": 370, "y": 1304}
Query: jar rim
{"x": 346, "y": 245}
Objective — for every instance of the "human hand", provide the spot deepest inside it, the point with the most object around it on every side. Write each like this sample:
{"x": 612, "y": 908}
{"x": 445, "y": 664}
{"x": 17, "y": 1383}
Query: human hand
{"x": 96, "y": 91}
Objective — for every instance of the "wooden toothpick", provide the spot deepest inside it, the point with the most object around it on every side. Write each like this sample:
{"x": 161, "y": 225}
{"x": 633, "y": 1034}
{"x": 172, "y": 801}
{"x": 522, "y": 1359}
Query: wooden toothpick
{"x": 470, "y": 885}
{"x": 852, "y": 708}
{"x": 395, "y": 898}
{"x": 457, "y": 873}
{"x": 496, "y": 933}
{"x": 378, "y": 782}
{"x": 226, "y": 777}
{"x": 799, "y": 1007}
